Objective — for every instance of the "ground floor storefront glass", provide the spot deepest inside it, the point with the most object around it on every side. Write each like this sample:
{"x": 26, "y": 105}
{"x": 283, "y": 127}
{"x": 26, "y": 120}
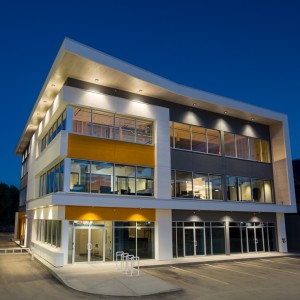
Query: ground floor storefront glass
{"x": 198, "y": 238}
{"x": 210, "y": 238}
{"x": 252, "y": 237}
{"x": 91, "y": 241}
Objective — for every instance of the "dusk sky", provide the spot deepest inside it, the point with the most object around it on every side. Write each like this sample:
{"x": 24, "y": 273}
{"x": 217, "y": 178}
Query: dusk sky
{"x": 248, "y": 50}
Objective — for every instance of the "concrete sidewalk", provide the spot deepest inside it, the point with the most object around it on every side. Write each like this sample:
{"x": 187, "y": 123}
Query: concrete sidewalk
{"x": 106, "y": 279}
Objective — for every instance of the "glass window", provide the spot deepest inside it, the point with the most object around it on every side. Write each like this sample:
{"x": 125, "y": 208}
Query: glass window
{"x": 173, "y": 183}
{"x": 199, "y": 142}
{"x": 215, "y": 187}
{"x": 171, "y": 135}
{"x": 124, "y": 180}
{"x": 213, "y": 141}
{"x": 59, "y": 121}
{"x": 125, "y": 240}
{"x": 229, "y": 144}
{"x": 245, "y": 189}
{"x": 257, "y": 190}
{"x": 145, "y": 242}
{"x": 242, "y": 148}
{"x": 254, "y": 145}
{"x": 80, "y": 176}
{"x": 184, "y": 185}
{"x": 232, "y": 187}
{"x": 200, "y": 183}
{"x": 125, "y": 129}
{"x": 102, "y": 177}
{"x": 82, "y": 120}
{"x": 64, "y": 118}
{"x": 144, "y": 132}
{"x": 218, "y": 240}
{"x": 56, "y": 178}
{"x": 265, "y": 151}
{"x": 182, "y": 136}
{"x": 103, "y": 124}
{"x": 268, "y": 191}
{"x": 144, "y": 181}
{"x": 61, "y": 176}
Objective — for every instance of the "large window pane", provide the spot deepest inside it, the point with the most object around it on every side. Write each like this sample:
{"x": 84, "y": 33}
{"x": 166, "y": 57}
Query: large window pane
{"x": 184, "y": 187}
{"x": 82, "y": 120}
{"x": 125, "y": 129}
{"x": 232, "y": 187}
{"x": 182, "y": 136}
{"x": 218, "y": 240}
{"x": 61, "y": 176}
{"x": 145, "y": 242}
{"x": 103, "y": 124}
{"x": 56, "y": 178}
{"x": 254, "y": 145}
{"x": 101, "y": 177}
{"x": 200, "y": 182}
{"x": 213, "y": 141}
{"x": 144, "y": 181}
{"x": 144, "y": 132}
{"x": 235, "y": 240}
{"x": 124, "y": 180}
{"x": 265, "y": 151}
{"x": 215, "y": 187}
{"x": 171, "y": 135}
{"x": 257, "y": 190}
{"x": 199, "y": 142}
{"x": 245, "y": 189}
{"x": 268, "y": 191}
{"x": 80, "y": 176}
{"x": 229, "y": 144}
{"x": 173, "y": 183}
{"x": 242, "y": 148}
{"x": 125, "y": 240}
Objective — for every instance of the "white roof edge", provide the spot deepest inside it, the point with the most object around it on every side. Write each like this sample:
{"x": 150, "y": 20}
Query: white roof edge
{"x": 71, "y": 46}
{"x": 137, "y": 72}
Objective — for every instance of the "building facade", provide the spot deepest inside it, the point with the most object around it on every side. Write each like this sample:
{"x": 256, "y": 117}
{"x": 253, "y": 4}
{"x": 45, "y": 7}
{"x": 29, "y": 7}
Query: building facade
{"x": 115, "y": 158}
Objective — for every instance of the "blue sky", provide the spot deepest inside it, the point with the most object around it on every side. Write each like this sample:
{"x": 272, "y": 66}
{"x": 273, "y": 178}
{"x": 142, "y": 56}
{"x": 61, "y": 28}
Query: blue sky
{"x": 245, "y": 50}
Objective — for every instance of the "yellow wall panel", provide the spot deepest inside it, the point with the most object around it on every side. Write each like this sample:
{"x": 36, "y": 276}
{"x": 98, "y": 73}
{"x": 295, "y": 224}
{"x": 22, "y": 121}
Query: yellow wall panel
{"x": 90, "y": 148}
{"x": 84, "y": 213}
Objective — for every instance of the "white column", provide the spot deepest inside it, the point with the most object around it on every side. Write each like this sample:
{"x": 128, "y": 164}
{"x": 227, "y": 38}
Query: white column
{"x": 163, "y": 234}
{"x": 162, "y": 187}
{"x": 28, "y": 228}
{"x": 281, "y": 233}
{"x": 65, "y": 240}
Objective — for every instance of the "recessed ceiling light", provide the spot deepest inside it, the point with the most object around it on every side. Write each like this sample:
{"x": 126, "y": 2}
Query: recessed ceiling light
{"x": 96, "y": 80}
{"x": 140, "y": 91}
{"x": 194, "y": 104}
{"x": 52, "y": 85}
{"x": 252, "y": 119}
{"x": 44, "y": 101}
{"x": 225, "y": 112}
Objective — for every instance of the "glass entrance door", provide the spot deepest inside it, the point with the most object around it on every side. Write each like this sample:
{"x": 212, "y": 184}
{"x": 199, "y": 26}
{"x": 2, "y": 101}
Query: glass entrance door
{"x": 255, "y": 239}
{"x": 194, "y": 241}
{"x": 88, "y": 244}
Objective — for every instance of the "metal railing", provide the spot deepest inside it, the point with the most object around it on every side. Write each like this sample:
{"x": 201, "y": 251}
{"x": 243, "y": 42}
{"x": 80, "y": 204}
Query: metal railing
{"x": 128, "y": 264}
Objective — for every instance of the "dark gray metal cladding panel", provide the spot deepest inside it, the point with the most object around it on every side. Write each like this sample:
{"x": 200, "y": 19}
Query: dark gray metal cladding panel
{"x": 246, "y": 168}
{"x": 197, "y": 162}
{"x": 205, "y": 163}
{"x": 219, "y": 216}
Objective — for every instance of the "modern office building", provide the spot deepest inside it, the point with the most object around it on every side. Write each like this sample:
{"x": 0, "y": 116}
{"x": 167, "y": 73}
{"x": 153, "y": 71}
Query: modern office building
{"x": 117, "y": 158}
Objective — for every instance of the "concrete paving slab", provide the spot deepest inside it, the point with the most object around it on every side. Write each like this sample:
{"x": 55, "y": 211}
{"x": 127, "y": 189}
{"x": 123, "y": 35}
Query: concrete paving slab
{"x": 106, "y": 279}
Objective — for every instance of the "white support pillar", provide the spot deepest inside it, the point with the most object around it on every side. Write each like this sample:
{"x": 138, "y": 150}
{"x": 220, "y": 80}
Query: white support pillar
{"x": 28, "y": 228}
{"x": 281, "y": 233}
{"x": 65, "y": 240}
{"x": 163, "y": 235}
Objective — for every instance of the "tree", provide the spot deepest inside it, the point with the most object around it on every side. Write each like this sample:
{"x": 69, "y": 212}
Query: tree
{"x": 9, "y": 203}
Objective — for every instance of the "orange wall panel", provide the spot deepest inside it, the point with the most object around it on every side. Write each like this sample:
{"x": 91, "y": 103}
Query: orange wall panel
{"x": 90, "y": 148}
{"x": 84, "y": 213}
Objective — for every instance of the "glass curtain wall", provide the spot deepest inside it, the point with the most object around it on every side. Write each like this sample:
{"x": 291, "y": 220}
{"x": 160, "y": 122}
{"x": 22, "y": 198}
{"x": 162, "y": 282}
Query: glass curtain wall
{"x": 109, "y": 178}
{"x": 112, "y": 126}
